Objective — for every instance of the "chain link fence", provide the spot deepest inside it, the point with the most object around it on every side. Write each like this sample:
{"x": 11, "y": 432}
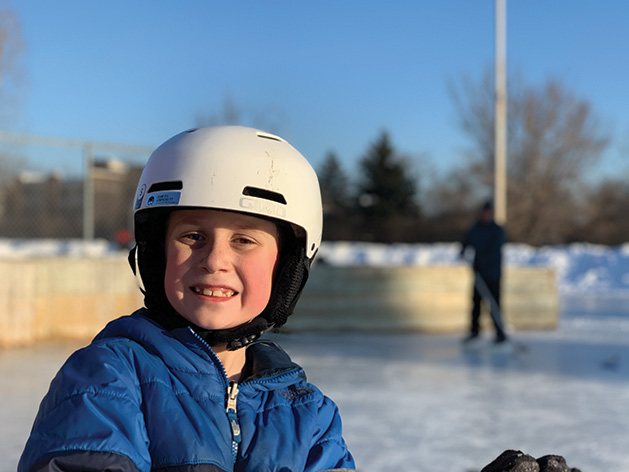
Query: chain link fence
{"x": 60, "y": 188}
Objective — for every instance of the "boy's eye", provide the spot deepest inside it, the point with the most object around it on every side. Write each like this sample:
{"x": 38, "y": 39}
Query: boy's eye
{"x": 243, "y": 240}
{"x": 193, "y": 236}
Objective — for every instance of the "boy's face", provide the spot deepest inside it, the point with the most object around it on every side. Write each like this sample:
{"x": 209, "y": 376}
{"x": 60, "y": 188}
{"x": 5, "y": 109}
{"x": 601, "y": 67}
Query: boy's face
{"x": 219, "y": 266}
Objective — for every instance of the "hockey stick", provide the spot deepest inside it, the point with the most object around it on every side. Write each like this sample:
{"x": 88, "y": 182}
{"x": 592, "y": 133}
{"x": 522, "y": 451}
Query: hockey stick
{"x": 485, "y": 293}
{"x": 496, "y": 315}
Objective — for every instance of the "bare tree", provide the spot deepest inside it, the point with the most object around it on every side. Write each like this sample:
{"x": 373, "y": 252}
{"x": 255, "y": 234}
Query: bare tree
{"x": 12, "y": 74}
{"x": 554, "y": 138}
{"x": 11, "y": 87}
{"x": 604, "y": 215}
{"x": 474, "y": 103}
{"x": 230, "y": 114}
{"x": 269, "y": 119}
{"x": 450, "y": 206}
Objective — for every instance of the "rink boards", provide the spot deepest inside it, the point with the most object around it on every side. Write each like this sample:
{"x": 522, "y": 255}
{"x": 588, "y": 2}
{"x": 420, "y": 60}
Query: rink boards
{"x": 74, "y": 297}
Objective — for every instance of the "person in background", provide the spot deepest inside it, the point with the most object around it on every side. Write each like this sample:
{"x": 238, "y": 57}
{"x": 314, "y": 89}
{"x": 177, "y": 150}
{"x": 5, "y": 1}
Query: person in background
{"x": 486, "y": 238}
{"x": 228, "y": 221}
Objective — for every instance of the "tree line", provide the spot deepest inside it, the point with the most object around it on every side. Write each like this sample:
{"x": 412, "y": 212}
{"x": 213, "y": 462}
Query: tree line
{"x": 555, "y": 140}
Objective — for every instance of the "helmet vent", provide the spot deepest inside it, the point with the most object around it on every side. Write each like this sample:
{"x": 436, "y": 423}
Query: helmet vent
{"x": 161, "y": 186}
{"x": 265, "y": 194}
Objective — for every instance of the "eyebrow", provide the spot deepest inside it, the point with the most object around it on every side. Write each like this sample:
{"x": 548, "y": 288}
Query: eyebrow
{"x": 245, "y": 226}
{"x": 240, "y": 225}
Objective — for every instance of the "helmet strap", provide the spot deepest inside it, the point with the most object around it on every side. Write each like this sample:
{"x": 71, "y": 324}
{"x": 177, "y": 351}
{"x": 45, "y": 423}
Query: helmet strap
{"x": 148, "y": 262}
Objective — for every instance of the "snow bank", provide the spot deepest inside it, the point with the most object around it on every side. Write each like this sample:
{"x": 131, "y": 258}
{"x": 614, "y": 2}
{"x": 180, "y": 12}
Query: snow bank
{"x": 581, "y": 268}
{"x": 24, "y": 248}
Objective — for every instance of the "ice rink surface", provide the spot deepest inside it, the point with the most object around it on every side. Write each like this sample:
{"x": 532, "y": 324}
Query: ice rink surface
{"x": 417, "y": 402}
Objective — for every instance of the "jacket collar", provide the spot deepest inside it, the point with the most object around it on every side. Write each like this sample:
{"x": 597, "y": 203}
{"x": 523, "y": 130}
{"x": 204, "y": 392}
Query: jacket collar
{"x": 266, "y": 359}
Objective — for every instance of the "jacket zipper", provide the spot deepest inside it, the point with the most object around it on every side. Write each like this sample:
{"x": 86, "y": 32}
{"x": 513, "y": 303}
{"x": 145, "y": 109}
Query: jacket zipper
{"x": 232, "y": 392}
{"x": 232, "y": 416}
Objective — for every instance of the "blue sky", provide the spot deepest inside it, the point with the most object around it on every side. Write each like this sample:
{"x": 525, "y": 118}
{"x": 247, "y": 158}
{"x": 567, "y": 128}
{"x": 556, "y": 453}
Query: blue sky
{"x": 326, "y": 75}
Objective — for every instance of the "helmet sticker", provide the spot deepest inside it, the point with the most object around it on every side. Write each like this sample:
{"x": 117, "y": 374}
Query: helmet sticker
{"x": 163, "y": 198}
{"x": 138, "y": 200}
{"x": 262, "y": 206}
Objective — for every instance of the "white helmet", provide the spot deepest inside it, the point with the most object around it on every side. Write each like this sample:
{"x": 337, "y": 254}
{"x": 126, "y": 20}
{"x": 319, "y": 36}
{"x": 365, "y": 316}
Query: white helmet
{"x": 236, "y": 169}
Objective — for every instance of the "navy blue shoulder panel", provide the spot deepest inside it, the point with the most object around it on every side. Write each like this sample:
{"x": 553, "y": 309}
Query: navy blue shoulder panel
{"x": 87, "y": 461}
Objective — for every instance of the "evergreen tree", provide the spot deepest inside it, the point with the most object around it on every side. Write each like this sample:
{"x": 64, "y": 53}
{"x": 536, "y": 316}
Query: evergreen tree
{"x": 335, "y": 196}
{"x": 386, "y": 188}
{"x": 386, "y": 195}
{"x": 334, "y": 185}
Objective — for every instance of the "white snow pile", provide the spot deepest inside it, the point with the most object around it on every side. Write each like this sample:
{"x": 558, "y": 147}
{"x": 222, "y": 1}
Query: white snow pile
{"x": 581, "y": 268}
{"x": 25, "y": 248}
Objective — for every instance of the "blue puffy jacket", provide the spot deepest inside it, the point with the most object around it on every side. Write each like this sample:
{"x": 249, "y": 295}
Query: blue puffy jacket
{"x": 139, "y": 398}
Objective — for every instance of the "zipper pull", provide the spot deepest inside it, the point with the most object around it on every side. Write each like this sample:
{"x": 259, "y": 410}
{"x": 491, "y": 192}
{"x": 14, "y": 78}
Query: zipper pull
{"x": 232, "y": 392}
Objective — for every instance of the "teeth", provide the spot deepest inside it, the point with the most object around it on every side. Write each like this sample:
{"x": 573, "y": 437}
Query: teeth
{"x": 213, "y": 293}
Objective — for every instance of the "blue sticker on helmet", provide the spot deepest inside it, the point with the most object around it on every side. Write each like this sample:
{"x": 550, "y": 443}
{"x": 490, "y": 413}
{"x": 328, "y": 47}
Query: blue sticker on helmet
{"x": 163, "y": 198}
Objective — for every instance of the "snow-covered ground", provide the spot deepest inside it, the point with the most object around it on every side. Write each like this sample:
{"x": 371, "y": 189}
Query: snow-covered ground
{"x": 417, "y": 402}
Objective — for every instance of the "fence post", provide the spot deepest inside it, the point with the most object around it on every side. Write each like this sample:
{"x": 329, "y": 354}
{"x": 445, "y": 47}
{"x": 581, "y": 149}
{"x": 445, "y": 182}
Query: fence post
{"x": 88, "y": 193}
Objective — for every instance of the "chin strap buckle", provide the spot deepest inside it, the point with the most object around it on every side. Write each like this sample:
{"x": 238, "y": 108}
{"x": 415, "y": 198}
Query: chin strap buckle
{"x": 247, "y": 340}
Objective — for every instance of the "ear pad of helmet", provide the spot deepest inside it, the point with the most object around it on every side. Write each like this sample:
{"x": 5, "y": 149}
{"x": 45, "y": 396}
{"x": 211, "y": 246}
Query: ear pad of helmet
{"x": 287, "y": 286}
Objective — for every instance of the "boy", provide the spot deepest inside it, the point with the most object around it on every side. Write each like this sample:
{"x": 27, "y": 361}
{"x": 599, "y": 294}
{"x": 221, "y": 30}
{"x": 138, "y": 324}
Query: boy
{"x": 227, "y": 223}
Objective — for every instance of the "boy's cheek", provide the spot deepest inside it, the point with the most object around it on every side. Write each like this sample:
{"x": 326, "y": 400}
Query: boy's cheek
{"x": 261, "y": 290}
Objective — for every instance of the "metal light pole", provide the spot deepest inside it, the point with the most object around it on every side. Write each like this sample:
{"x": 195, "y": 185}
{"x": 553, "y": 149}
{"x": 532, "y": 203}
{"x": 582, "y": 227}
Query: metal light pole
{"x": 500, "y": 130}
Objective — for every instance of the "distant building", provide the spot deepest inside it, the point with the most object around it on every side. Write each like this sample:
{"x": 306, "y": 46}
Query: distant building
{"x": 36, "y": 205}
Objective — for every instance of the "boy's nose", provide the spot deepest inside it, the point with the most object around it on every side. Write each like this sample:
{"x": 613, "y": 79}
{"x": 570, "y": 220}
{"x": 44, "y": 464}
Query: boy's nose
{"x": 215, "y": 258}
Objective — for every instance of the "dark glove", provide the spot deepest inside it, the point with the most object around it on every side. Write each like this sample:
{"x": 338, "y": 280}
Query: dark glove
{"x": 517, "y": 461}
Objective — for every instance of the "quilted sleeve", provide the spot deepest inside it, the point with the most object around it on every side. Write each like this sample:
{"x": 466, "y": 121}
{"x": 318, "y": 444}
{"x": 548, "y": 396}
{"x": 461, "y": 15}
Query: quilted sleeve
{"x": 329, "y": 451}
{"x": 91, "y": 416}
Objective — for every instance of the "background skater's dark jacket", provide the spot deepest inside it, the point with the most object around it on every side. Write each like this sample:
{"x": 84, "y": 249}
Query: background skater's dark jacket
{"x": 487, "y": 240}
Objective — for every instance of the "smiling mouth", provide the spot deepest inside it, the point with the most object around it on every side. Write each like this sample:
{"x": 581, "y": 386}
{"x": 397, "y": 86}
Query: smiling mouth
{"x": 221, "y": 293}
